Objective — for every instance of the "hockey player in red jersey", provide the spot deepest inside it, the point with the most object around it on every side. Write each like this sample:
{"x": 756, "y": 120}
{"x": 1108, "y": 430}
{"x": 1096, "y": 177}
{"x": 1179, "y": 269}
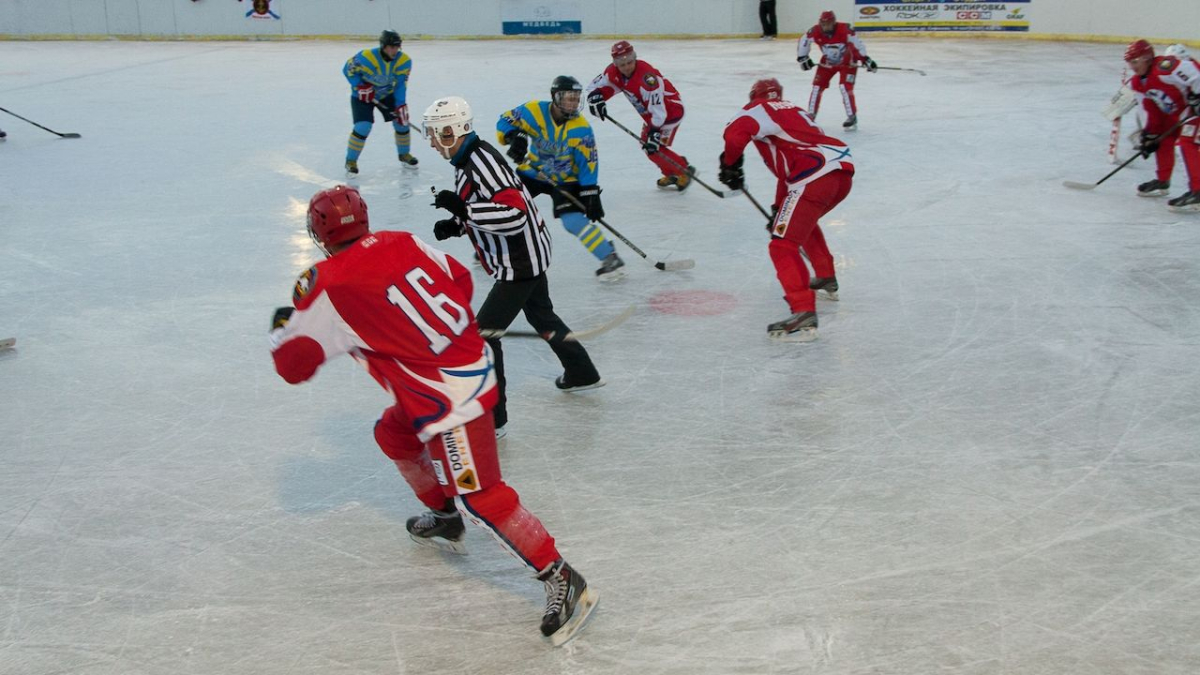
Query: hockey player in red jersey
{"x": 403, "y": 310}
{"x": 1168, "y": 87}
{"x": 814, "y": 173}
{"x": 841, "y": 52}
{"x": 655, "y": 99}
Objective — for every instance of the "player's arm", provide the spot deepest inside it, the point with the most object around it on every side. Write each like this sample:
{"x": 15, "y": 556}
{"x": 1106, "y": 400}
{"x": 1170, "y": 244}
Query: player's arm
{"x": 861, "y": 48}
{"x": 738, "y": 133}
{"x": 308, "y": 335}
{"x": 802, "y": 49}
{"x": 354, "y": 70}
{"x": 503, "y": 214}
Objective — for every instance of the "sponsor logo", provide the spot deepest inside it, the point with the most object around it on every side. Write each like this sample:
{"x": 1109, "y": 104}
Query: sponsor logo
{"x": 466, "y": 481}
{"x": 440, "y": 471}
{"x": 869, "y": 11}
{"x": 305, "y": 283}
{"x": 346, "y": 220}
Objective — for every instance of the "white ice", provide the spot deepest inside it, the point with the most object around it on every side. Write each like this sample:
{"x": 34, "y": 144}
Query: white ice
{"x": 987, "y": 464}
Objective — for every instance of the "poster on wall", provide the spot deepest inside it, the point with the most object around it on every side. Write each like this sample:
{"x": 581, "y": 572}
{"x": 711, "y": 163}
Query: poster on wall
{"x": 260, "y": 10}
{"x": 912, "y": 15}
{"x": 540, "y": 17}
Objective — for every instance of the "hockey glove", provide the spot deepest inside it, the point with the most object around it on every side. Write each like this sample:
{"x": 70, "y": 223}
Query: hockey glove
{"x": 518, "y": 146}
{"x": 444, "y": 229}
{"x": 772, "y": 217}
{"x": 366, "y": 93}
{"x": 281, "y": 317}
{"x": 653, "y": 142}
{"x": 451, "y": 202}
{"x": 400, "y": 115}
{"x": 1148, "y": 145}
{"x": 805, "y": 62}
{"x": 732, "y": 175}
{"x": 589, "y": 195}
{"x": 870, "y": 64}
{"x": 597, "y": 106}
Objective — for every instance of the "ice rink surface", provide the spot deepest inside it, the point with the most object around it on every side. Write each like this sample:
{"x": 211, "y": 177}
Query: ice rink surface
{"x": 987, "y": 464}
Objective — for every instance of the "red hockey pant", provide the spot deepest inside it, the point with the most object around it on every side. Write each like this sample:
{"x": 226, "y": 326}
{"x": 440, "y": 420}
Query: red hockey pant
{"x": 846, "y": 85}
{"x": 1188, "y": 140}
{"x": 461, "y": 464}
{"x": 796, "y": 227}
{"x": 670, "y": 163}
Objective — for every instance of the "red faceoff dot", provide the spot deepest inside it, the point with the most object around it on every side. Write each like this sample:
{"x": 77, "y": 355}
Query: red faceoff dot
{"x": 693, "y": 303}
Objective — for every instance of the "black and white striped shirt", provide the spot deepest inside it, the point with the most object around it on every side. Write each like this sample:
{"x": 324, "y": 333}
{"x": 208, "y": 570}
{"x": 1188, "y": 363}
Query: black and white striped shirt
{"x": 513, "y": 243}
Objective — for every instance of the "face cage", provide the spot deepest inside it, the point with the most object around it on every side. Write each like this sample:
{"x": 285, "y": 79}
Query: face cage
{"x": 558, "y": 102}
{"x": 431, "y": 133}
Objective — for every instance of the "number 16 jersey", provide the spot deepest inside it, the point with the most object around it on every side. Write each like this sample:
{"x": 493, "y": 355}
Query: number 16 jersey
{"x": 402, "y": 309}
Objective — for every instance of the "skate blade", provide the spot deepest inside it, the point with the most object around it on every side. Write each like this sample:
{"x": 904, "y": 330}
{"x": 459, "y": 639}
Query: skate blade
{"x": 610, "y": 277}
{"x": 803, "y": 335}
{"x": 828, "y": 295}
{"x": 411, "y": 168}
{"x": 441, "y": 544}
{"x": 1195, "y": 208}
{"x": 1153, "y": 193}
{"x": 583, "y": 612}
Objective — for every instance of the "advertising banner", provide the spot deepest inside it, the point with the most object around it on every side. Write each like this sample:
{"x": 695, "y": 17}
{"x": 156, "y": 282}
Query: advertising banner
{"x": 910, "y": 15}
{"x": 540, "y": 17}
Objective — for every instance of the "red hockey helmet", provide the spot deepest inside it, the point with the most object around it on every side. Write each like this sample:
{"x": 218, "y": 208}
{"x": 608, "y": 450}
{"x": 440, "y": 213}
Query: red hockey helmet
{"x": 623, "y": 49}
{"x": 827, "y": 17}
{"x": 1137, "y": 49}
{"x": 769, "y": 89}
{"x": 337, "y": 216}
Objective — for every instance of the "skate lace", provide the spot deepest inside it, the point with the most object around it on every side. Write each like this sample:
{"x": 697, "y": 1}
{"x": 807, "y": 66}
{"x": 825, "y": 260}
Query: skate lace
{"x": 426, "y": 521}
{"x": 556, "y": 592}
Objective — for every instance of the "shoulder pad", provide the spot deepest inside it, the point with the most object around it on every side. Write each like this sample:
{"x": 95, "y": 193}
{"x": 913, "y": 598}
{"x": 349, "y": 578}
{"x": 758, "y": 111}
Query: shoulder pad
{"x": 304, "y": 286}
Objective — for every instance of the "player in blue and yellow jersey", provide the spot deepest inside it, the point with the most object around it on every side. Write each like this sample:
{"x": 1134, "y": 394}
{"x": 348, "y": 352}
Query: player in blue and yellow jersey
{"x": 563, "y": 163}
{"x": 379, "y": 79}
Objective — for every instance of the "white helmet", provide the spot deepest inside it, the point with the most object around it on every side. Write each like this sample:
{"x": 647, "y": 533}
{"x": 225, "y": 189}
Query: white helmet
{"x": 1178, "y": 51}
{"x": 447, "y": 120}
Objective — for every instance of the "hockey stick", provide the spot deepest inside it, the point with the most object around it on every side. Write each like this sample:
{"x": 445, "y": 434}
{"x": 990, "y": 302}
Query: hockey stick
{"x": 8, "y": 343}
{"x": 573, "y": 336}
{"x": 675, "y": 164}
{"x": 60, "y": 135}
{"x": 1092, "y": 186}
{"x": 907, "y": 70}
{"x": 671, "y": 266}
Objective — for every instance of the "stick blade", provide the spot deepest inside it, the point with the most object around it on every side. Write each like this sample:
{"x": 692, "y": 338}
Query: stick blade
{"x": 1079, "y": 186}
{"x": 70, "y": 136}
{"x": 8, "y": 343}
{"x": 676, "y": 265}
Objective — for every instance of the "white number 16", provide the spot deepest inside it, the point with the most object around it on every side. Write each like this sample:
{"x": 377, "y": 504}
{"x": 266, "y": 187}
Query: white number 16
{"x": 449, "y": 312}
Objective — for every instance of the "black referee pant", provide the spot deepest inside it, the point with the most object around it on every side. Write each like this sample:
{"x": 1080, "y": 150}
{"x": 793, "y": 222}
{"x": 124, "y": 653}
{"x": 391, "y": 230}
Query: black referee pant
{"x": 503, "y": 303}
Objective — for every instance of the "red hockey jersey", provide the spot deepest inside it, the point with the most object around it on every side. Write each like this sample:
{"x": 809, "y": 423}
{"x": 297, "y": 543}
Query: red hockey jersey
{"x": 790, "y": 142}
{"x": 841, "y": 48}
{"x": 652, "y": 95}
{"x": 403, "y": 309}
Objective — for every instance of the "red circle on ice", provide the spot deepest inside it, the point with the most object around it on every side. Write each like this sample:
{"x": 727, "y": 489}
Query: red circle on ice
{"x": 693, "y": 303}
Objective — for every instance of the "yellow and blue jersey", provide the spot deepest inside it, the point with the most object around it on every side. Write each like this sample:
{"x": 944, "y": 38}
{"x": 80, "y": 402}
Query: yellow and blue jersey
{"x": 388, "y": 77}
{"x": 563, "y": 153}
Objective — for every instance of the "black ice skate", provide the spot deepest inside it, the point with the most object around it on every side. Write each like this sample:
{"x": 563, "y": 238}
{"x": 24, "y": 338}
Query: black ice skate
{"x": 569, "y": 602}
{"x": 1153, "y": 188}
{"x": 827, "y": 284}
{"x": 351, "y": 168}
{"x": 567, "y": 383}
{"x": 438, "y": 529}
{"x": 851, "y": 122}
{"x": 3, "y": 135}
{"x": 1186, "y": 202}
{"x": 408, "y": 160}
{"x": 799, "y": 327}
{"x": 610, "y": 268}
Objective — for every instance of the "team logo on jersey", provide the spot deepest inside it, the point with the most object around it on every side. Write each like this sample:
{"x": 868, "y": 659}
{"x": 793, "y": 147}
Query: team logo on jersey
{"x": 1166, "y": 63}
{"x": 650, "y": 81}
{"x": 304, "y": 284}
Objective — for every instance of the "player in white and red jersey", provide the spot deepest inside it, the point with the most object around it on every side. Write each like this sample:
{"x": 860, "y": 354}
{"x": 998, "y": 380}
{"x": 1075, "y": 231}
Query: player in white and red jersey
{"x": 403, "y": 310}
{"x": 1168, "y": 88}
{"x": 841, "y": 52}
{"x": 814, "y": 173}
{"x": 655, "y": 99}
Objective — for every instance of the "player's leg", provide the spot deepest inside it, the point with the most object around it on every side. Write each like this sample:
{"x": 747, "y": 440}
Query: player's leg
{"x": 575, "y": 222}
{"x": 579, "y": 372}
{"x": 395, "y": 436}
{"x": 1189, "y": 148}
{"x": 675, "y": 161}
{"x": 819, "y": 255}
{"x": 400, "y": 126}
{"x": 364, "y": 119}
{"x": 503, "y": 303}
{"x": 820, "y": 81}
{"x": 846, "y": 85}
{"x": 470, "y": 470}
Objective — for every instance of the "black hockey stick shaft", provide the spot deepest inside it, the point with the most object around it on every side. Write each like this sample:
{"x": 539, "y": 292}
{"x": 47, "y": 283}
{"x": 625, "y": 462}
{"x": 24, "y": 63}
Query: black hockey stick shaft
{"x": 1127, "y": 162}
{"x": 571, "y": 198}
{"x": 673, "y": 163}
{"x": 907, "y": 70}
{"x": 60, "y": 135}
{"x": 755, "y": 202}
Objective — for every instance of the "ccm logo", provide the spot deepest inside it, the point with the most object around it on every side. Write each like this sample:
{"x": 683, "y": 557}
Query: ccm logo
{"x": 973, "y": 16}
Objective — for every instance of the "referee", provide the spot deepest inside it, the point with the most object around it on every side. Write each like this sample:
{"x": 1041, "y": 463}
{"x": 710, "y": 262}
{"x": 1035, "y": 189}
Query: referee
{"x": 490, "y": 203}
